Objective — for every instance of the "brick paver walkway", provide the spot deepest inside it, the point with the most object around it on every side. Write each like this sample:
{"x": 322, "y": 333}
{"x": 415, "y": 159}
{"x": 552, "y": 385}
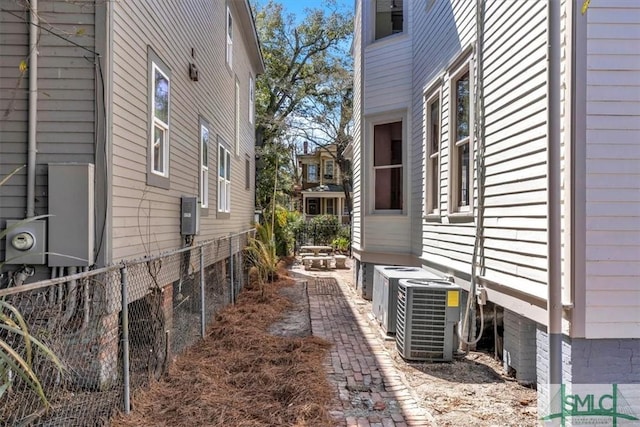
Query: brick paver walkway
{"x": 369, "y": 389}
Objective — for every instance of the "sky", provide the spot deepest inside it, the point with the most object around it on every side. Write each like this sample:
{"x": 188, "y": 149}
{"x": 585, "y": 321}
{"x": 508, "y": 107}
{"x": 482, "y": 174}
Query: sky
{"x": 297, "y": 6}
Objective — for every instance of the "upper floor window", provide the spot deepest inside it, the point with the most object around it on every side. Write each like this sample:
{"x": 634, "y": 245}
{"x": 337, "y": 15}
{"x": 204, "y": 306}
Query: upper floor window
{"x": 328, "y": 169}
{"x": 252, "y": 100}
{"x": 432, "y": 177}
{"x": 389, "y": 18}
{"x": 159, "y": 93}
{"x": 312, "y": 173}
{"x": 461, "y": 177}
{"x": 387, "y": 165}
{"x": 237, "y": 127}
{"x": 229, "y": 38}
{"x": 224, "y": 179}
{"x": 204, "y": 165}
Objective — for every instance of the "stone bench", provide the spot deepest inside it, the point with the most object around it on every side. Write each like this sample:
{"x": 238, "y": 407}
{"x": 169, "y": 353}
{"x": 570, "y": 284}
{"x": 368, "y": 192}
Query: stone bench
{"x": 316, "y": 262}
{"x": 340, "y": 261}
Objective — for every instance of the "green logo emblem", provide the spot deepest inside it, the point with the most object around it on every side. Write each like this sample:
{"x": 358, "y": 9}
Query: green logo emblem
{"x": 596, "y": 408}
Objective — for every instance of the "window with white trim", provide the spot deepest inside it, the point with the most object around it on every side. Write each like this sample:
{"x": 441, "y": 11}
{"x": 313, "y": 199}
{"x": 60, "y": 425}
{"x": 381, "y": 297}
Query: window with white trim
{"x": 159, "y": 141}
{"x": 224, "y": 179}
{"x": 312, "y": 172}
{"x": 433, "y": 132}
{"x": 252, "y": 100}
{"x": 229, "y": 38}
{"x": 461, "y": 143}
{"x": 387, "y": 166}
{"x": 237, "y": 127}
{"x": 204, "y": 166}
{"x": 328, "y": 169}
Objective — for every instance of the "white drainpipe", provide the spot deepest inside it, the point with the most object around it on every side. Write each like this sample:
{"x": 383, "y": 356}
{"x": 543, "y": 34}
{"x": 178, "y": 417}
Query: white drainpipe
{"x": 554, "y": 255}
{"x": 33, "y": 108}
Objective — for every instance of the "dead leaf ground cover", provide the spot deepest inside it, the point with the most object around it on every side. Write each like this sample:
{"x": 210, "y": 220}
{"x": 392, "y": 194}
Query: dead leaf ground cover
{"x": 241, "y": 374}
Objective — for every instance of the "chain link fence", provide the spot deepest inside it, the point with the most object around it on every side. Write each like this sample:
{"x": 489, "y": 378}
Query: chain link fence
{"x": 115, "y": 329}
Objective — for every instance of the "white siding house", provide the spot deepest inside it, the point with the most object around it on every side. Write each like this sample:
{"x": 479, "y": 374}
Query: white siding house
{"x": 475, "y": 144}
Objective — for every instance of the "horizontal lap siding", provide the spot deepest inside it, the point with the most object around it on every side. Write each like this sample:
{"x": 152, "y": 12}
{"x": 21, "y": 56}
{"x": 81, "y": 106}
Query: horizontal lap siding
{"x": 146, "y": 218}
{"x": 387, "y": 87}
{"x": 515, "y": 143}
{"x": 441, "y": 34}
{"x": 66, "y": 104}
{"x": 613, "y": 170}
{"x": 356, "y": 229}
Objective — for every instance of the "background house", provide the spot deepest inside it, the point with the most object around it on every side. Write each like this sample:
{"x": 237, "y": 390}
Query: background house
{"x": 451, "y": 171}
{"x": 321, "y": 191}
{"x": 133, "y": 107}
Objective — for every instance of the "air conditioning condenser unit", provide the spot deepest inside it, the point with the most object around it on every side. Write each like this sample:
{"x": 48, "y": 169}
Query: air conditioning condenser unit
{"x": 428, "y": 311}
{"x": 385, "y": 291}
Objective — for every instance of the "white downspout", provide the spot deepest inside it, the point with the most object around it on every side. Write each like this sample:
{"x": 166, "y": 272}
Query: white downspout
{"x": 33, "y": 108}
{"x": 554, "y": 255}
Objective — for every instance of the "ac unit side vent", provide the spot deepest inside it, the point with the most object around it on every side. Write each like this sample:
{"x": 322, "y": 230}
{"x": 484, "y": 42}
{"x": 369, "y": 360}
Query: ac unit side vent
{"x": 427, "y": 312}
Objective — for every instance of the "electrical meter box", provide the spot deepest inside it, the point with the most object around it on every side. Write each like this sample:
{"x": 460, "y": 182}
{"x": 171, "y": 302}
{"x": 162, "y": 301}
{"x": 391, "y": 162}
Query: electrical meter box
{"x": 188, "y": 216}
{"x": 71, "y": 231}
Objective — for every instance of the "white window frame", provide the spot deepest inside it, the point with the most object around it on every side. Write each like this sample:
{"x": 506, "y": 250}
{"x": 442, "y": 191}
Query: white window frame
{"x": 432, "y": 156}
{"x": 329, "y": 163}
{"x": 237, "y": 121}
{"x": 252, "y": 100}
{"x": 156, "y": 122}
{"x": 455, "y": 145}
{"x": 204, "y": 165}
{"x": 229, "y": 33}
{"x": 317, "y": 173}
{"x": 402, "y": 166}
{"x": 224, "y": 179}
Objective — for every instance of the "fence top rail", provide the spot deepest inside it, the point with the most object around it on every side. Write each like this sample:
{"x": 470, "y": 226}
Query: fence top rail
{"x": 123, "y": 264}
{"x": 56, "y": 281}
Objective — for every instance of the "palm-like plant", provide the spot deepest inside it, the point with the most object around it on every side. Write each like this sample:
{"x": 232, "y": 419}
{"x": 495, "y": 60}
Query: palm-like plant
{"x": 261, "y": 253}
{"x": 14, "y": 361}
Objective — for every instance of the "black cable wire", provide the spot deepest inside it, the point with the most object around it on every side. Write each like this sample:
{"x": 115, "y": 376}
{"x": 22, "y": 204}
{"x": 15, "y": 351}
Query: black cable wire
{"x": 50, "y": 32}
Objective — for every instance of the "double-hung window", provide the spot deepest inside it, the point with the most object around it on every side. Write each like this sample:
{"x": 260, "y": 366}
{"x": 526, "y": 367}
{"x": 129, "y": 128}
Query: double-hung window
{"x": 328, "y": 169}
{"x": 158, "y": 121}
{"x": 204, "y": 166}
{"x": 432, "y": 178}
{"x": 312, "y": 172}
{"x": 387, "y": 166}
{"x": 229, "y": 38}
{"x": 252, "y": 100}
{"x": 237, "y": 124}
{"x": 461, "y": 144}
{"x": 224, "y": 179}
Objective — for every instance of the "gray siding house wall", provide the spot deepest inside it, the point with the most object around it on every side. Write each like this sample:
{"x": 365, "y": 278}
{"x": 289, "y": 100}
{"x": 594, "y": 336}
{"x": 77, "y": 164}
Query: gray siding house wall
{"x": 95, "y": 106}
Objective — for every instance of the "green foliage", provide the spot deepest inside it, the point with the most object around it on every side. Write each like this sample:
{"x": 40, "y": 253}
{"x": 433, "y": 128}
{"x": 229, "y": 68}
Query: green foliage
{"x": 324, "y": 228}
{"x": 274, "y": 161}
{"x": 261, "y": 253}
{"x": 341, "y": 244}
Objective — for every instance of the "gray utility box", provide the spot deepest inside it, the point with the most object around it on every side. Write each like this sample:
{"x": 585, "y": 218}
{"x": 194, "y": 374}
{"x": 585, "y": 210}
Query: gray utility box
{"x": 364, "y": 281}
{"x": 189, "y": 216}
{"x": 385, "y": 291}
{"x": 71, "y": 206}
{"x": 428, "y": 311}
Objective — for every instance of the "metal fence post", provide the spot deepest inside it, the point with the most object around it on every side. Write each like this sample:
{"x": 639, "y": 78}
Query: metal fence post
{"x": 231, "y": 275}
{"x": 202, "y": 295}
{"x": 125, "y": 339}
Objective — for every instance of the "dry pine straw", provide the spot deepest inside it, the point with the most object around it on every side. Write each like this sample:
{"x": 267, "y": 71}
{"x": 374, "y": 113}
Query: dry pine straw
{"x": 240, "y": 375}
